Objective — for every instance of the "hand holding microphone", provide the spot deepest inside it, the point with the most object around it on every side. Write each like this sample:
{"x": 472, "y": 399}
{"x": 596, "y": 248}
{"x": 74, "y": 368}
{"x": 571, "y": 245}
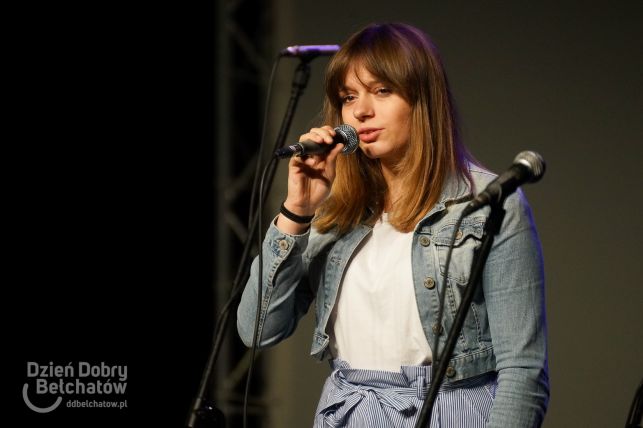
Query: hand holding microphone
{"x": 344, "y": 134}
{"x": 310, "y": 177}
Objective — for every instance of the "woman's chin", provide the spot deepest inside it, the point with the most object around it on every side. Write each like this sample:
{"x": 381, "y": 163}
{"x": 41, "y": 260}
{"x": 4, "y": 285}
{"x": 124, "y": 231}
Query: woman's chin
{"x": 368, "y": 150}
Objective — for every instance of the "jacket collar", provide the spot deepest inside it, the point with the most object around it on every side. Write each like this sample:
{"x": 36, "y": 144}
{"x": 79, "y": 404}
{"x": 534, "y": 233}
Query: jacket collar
{"x": 456, "y": 189}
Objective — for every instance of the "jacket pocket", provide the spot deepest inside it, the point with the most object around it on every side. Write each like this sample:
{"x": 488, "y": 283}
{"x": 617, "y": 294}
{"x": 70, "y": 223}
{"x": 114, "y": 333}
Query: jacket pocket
{"x": 468, "y": 239}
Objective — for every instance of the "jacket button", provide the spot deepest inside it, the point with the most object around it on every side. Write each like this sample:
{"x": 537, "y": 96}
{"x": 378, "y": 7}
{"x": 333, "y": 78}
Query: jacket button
{"x": 450, "y": 371}
{"x": 437, "y": 329}
{"x": 424, "y": 241}
{"x": 458, "y": 234}
{"x": 429, "y": 283}
{"x": 283, "y": 244}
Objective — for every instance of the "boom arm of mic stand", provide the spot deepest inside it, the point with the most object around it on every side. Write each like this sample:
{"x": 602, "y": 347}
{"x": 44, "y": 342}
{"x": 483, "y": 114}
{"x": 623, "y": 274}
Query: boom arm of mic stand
{"x": 203, "y": 411}
{"x": 492, "y": 227}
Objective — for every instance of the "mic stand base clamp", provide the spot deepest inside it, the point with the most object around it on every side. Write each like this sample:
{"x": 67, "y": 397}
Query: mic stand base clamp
{"x": 205, "y": 415}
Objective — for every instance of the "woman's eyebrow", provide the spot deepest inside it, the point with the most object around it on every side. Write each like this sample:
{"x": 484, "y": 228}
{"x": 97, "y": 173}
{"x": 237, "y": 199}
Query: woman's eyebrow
{"x": 368, "y": 85}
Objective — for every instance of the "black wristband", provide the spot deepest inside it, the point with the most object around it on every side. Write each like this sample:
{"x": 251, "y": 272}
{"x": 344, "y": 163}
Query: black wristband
{"x": 294, "y": 217}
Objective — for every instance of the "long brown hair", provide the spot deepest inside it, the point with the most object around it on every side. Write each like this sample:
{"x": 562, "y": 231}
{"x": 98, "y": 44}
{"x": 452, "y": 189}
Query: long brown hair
{"x": 407, "y": 60}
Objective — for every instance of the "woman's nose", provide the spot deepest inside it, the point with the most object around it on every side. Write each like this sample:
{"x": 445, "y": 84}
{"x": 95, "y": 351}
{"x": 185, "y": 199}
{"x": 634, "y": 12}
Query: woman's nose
{"x": 363, "y": 108}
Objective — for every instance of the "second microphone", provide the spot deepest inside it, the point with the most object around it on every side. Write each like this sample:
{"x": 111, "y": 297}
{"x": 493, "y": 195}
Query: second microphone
{"x": 344, "y": 134}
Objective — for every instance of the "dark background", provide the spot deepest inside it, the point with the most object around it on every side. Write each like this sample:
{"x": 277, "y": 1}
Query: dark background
{"x": 110, "y": 208}
{"x": 113, "y": 115}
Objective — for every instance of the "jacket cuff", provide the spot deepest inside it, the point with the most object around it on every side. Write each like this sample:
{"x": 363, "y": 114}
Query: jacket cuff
{"x": 281, "y": 244}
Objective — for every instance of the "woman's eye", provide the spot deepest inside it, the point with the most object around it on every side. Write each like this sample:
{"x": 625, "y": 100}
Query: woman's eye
{"x": 347, "y": 98}
{"x": 383, "y": 91}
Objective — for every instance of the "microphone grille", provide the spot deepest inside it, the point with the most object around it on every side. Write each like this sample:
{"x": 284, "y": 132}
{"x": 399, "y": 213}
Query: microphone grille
{"x": 350, "y": 137}
{"x": 534, "y": 163}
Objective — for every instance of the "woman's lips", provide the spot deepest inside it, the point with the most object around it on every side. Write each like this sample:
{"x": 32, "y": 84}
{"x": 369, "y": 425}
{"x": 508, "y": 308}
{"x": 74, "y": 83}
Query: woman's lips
{"x": 368, "y": 135}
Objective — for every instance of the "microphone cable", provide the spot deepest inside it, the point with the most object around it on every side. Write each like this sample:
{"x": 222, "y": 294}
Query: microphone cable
{"x": 240, "y": 278}
{"x": 635, "y": 415}
{"x": 257, "y": 194}
{"x": 262, "y": 141}
{"x": 236, "y": 288}
{"x": 256, "y": 336}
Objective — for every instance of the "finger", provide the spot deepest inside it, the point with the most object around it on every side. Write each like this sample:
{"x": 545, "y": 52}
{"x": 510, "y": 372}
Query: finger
{"x": 324, "y": 134}
{"x": 328, "y": 133}
{"x": 332, "y": 155}
{"x": 330, "y": 129}
{"x": 297, "y": 162}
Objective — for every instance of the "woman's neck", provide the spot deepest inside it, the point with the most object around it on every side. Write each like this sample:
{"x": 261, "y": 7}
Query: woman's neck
{"x": 394, "y": 187}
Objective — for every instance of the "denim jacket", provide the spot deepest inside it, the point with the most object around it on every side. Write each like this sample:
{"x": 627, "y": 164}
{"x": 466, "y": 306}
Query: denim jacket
{"x": 504, "y": 331}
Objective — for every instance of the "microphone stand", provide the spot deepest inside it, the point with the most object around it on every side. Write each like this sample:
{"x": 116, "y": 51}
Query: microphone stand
{"x": 203, "y": 412}
{"x": 492, "y": 227}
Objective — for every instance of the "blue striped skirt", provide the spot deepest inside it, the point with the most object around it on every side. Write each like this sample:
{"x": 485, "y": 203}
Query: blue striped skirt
{"x": 373, "y": 398}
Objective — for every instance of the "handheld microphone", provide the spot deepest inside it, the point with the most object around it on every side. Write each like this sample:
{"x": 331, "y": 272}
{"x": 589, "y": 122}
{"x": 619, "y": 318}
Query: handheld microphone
{"x": 528, "y": 167}
{"x": 344, "y": 134}
{"x": 309, "y": 51}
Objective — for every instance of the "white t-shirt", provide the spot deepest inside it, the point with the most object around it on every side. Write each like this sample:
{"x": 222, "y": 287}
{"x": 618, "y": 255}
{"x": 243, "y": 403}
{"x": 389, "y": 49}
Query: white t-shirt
{"x": 375, "y": 323}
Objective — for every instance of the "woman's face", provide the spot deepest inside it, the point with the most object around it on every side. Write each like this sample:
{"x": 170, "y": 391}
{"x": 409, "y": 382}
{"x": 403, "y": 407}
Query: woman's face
{"x": 381, "y": 117}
